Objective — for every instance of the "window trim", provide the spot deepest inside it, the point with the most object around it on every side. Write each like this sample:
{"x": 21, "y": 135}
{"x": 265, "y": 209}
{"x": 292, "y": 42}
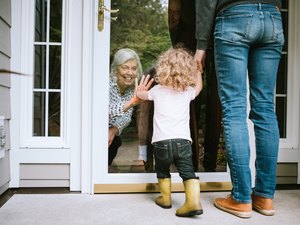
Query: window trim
{"x": 27, "y": 140}
{"x": 289, "y": 146}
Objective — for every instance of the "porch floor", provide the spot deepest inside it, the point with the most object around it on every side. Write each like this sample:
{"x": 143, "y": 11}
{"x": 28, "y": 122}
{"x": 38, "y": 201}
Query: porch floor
{"x": 133, "y": 209}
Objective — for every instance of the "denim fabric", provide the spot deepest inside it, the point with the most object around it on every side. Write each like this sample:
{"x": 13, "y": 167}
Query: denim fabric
{"x": 177, "y": 151}
{"x": 249, "y": 37}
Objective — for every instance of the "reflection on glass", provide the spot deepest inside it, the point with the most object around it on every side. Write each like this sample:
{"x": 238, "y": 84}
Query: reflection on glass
{"x": 40, "y": 20}
{"x": 149, "y": 32}
{"x": 146, "y": 33}
{"x": 281, "y": 115}
{"x": 40, "y": 66}
{"x": 54, "y": 114}
{"x": 284, "y": 15}
{"x": 281, "y": 83}
{"x": 54, "y": 67}
{"x": 55, "y": 20}
{"x": 39, "y": 114}
{"x": 47, "y": 68}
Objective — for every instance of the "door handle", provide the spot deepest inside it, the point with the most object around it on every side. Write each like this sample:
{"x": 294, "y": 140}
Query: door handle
{"x": 101, "y": 9}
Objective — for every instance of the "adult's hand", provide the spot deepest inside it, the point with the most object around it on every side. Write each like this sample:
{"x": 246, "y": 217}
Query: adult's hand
{"x": 145, "y": 84}
{"x": 112, "y": 131}
{"x": 199, "y": 59}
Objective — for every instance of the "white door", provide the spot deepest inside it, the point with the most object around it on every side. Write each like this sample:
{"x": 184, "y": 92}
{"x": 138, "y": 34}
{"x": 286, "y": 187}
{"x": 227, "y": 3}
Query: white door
{"x": 46, "y": 100}
{"x": 125, "y": 170}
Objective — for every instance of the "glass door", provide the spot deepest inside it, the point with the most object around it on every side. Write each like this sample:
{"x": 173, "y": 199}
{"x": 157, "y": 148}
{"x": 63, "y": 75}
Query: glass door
{"x": 148, "y": 28}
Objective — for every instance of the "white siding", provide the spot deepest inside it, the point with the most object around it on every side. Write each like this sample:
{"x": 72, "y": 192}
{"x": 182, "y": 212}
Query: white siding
{"x": 287, "y": 173}
{"x": 44, "y": 175}
{"x": 5, "y": 53}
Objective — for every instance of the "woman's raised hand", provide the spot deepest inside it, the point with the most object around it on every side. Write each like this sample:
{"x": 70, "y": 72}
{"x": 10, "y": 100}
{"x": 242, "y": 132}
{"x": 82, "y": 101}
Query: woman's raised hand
{"x": 144, "y": 85}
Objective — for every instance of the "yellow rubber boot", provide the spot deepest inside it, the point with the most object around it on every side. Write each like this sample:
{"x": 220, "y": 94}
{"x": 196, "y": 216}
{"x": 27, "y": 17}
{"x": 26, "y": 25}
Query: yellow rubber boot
{"x": 164, "y": 200}
{"x": 192, "y": 205}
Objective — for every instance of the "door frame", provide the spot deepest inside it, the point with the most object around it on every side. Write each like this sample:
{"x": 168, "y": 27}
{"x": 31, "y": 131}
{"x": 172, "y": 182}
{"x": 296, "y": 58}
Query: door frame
{"x": 26, "y": 149}
{"x": 102, "y": 181}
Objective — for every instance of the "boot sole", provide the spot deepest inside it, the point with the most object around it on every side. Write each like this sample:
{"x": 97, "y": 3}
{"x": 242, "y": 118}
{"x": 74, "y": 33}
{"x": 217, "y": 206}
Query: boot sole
{"x": 191, "y": 213}
{"x": 265, "y": 212}
{"x": 244, "y": 215}
{"x": 164, "y": 206}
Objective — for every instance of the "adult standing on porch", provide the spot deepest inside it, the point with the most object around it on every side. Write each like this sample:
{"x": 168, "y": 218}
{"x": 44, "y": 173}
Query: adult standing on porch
{"x": 248, "y": 39}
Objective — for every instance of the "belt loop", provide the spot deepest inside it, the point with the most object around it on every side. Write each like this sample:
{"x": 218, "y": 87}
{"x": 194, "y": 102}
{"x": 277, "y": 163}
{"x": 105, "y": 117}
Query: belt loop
{"x": 259, "y": 6}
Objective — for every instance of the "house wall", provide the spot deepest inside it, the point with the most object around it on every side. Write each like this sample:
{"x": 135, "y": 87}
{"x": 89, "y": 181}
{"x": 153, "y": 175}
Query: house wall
{"x": 5, "y": 54}
{"x": 44, "y": 175}
{"x": 58, "y": 175}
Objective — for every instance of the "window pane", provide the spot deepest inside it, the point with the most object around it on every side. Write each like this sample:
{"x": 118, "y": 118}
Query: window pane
{"x": 284, "y": 4}
{"x": 281, "y": 115}
{"x": 40, "y": 66}
{"x": 54, "y": 114}
{"x": 39, "y": 114}
{"x": 281, "y": 84}
{"x": 54, "y": 67}
{"x": 40, "y": 20}
{"x": 285, "y": 29}
{"x": 55, "y": 20}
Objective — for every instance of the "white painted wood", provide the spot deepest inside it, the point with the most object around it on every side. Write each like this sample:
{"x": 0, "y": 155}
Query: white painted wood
{"x": 44, "y": 171}
{"x": 292, "y": 140}
{"x": 100, "y": 98}
{"x": 85, "y": 102}
{"x": 16, "y": 30}
{"x": 3, "y": 188}
{"x": 287, "y": 170}
{"x": 286, "y": 180}
{"x": 100, "y": 120}
{"x": 5, "y": 38}
{"x": 44, "y": 183}
{"x": 4, "y": 168}
{"x": 5, "y": 11}
{"x": 5, "y": 101}
{"x": 64, "y": 149}
{"x": 4, "y": 64}
{"x": 5, "y": 104}
{"x": 289, "y": 147}
{"x": 295, "y": 46}
{"x": 72, "y": 87}
{"x": 86, "y": 107}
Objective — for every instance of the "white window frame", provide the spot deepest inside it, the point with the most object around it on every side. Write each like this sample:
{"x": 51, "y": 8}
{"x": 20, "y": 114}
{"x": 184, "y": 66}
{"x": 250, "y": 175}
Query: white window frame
{"x": 64, "y": 149}
{"x": 27, "y": 140}
{"x": 289, "y": 146}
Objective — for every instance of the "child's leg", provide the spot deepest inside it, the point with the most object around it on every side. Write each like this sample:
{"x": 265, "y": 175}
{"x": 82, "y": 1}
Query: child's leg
{"x": 184, "y": 163}
{"x": 162, "y": 167}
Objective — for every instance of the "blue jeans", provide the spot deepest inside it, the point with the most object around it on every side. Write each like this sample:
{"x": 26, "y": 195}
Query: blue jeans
{"x": 248, "y": 42}
{"x": 177, "y": 151}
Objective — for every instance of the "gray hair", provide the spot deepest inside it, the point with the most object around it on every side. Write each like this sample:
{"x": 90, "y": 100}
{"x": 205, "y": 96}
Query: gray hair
{"x": 122, "y": 56}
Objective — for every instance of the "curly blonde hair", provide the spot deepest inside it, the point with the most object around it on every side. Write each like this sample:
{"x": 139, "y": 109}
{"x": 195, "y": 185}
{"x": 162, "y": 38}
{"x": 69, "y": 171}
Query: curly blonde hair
{"x": 175, "y": 68}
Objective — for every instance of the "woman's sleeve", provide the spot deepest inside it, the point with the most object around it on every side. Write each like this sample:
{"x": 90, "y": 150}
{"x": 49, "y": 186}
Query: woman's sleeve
{"x": 122, "y": 121}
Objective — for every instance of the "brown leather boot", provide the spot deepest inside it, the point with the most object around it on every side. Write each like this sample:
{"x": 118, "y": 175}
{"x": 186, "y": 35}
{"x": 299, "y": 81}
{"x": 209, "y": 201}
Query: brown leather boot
{"x": 243, "y": 210}
{"x": 263, "y": 205}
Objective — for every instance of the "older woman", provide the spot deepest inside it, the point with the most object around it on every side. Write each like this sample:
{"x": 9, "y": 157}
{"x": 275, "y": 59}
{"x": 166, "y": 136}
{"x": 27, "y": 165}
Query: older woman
{"x": 126, "y": 69}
